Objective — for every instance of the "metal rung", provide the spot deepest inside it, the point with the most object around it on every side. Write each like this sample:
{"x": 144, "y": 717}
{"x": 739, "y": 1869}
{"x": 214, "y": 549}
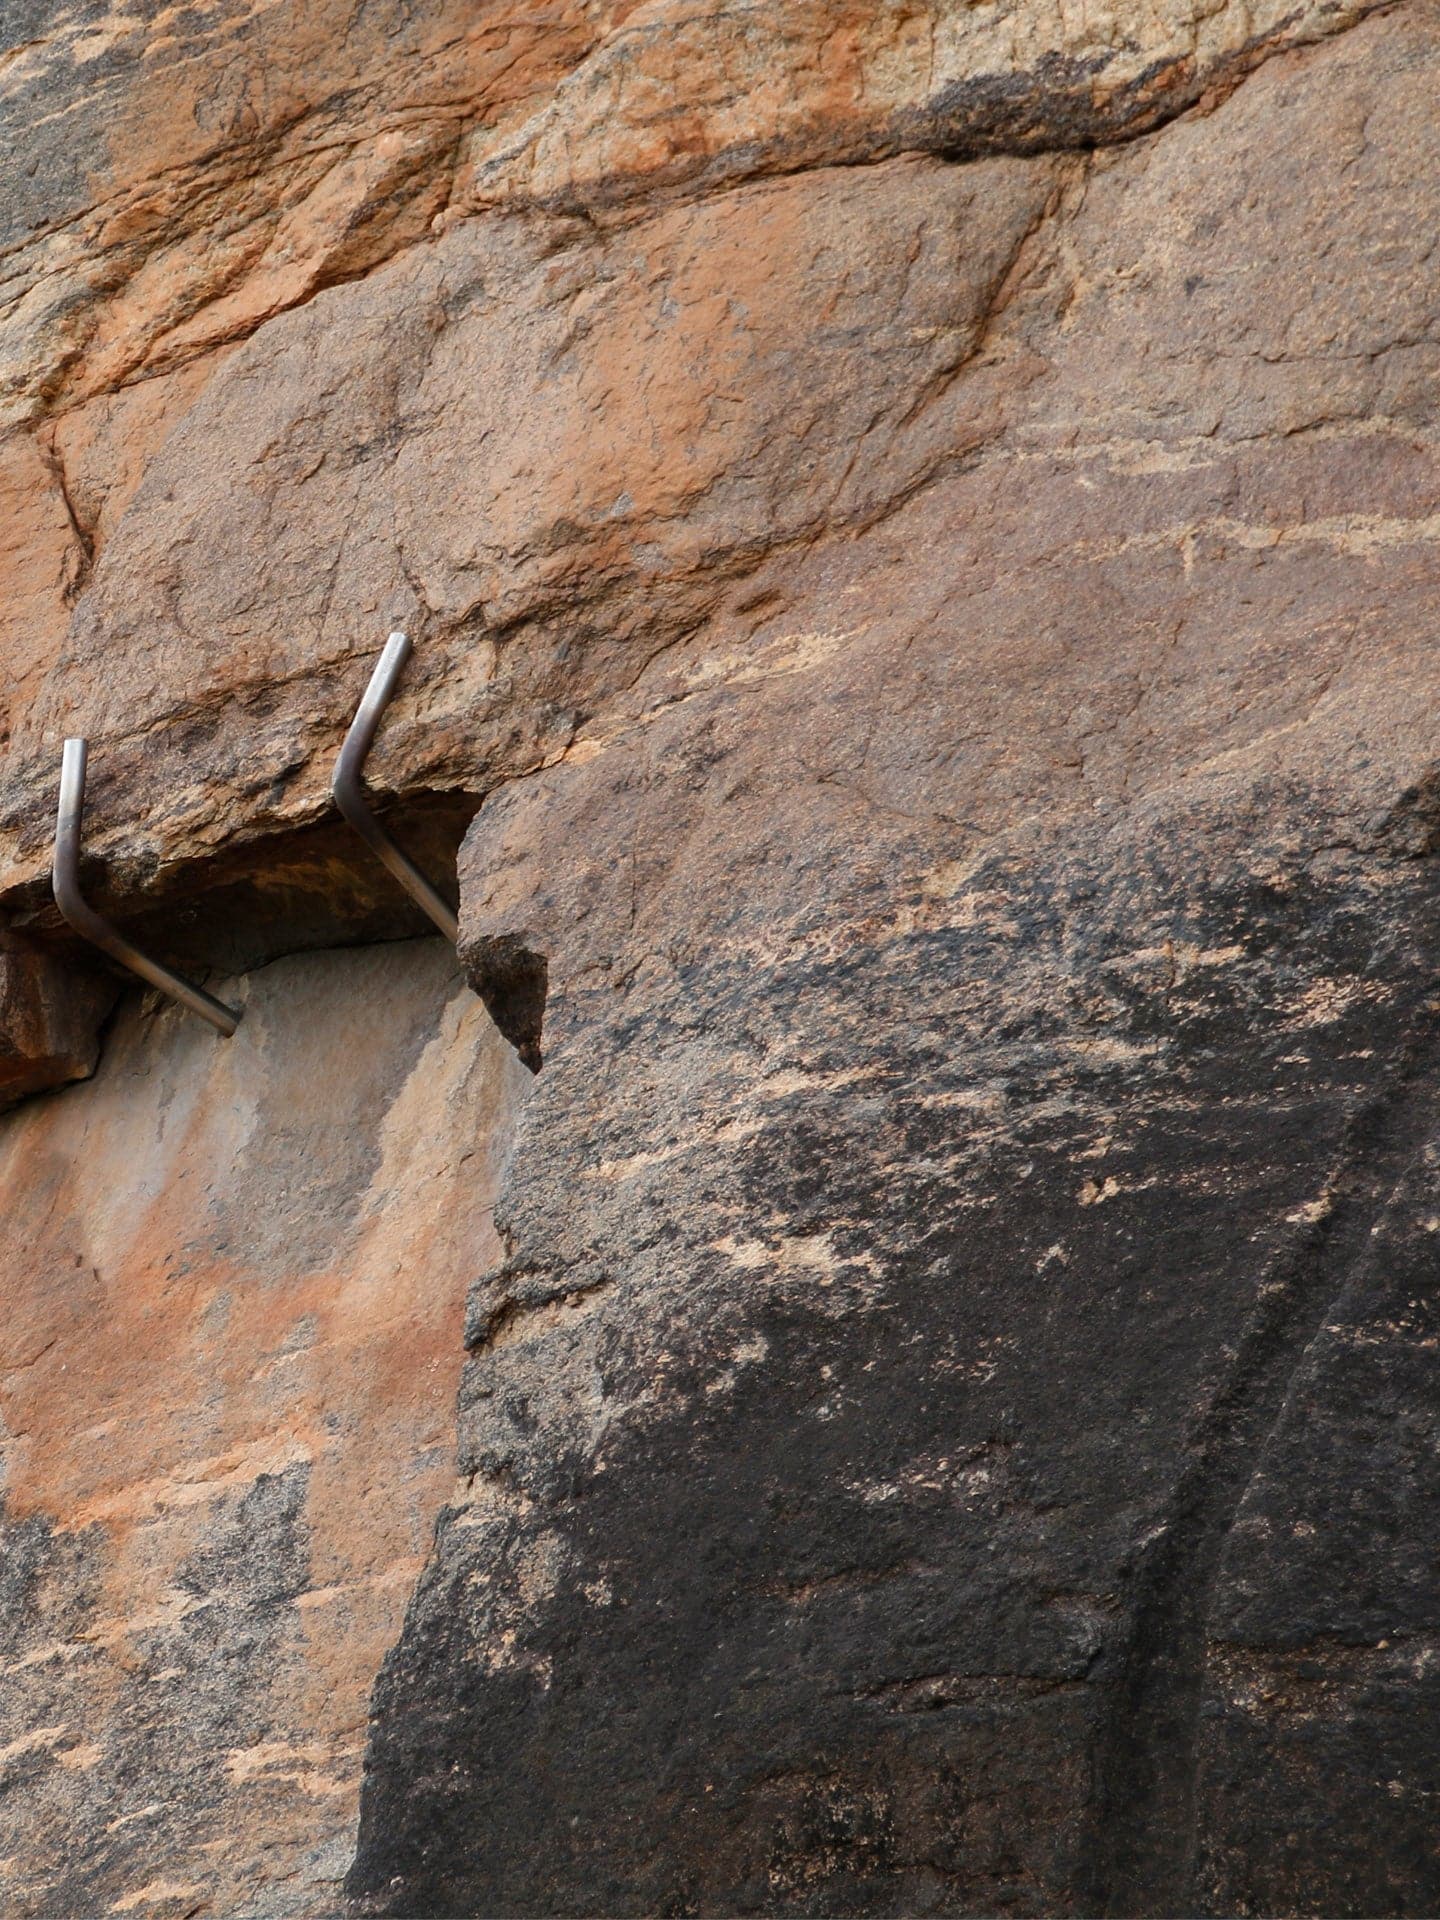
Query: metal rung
{"x": 349, "y": 790}
{"x": 91, "y": 926}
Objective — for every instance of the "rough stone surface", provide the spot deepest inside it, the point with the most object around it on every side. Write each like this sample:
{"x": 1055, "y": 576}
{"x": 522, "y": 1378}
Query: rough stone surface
{"x": 177, "y": 176}
{"x": 184, "y": 182}
{"x": 234, "y": 1280}
{"x": 49, "y": 1016}
{"x": 954, "y": 1378}
{"x": 920, "y": 527}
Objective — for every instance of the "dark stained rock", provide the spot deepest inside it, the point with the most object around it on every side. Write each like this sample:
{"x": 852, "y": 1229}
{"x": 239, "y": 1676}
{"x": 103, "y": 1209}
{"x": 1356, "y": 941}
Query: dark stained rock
{"x": 971, "y": 1218}
{"x": 1318, "y": 1744}
{"x": 50, "y": 1015}
{"x": 919, "y": 526}
{"x": 843, "y": 1535}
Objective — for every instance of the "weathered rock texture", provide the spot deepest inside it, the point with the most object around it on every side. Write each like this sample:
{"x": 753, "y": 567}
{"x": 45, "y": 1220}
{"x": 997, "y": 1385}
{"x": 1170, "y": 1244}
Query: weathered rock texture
{"x": 922, "y": 531}
{"x": 229, "y": 1369}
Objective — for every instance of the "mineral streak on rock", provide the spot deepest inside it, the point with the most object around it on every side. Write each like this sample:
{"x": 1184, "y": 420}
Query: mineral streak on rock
{"x": 920, "y": 526}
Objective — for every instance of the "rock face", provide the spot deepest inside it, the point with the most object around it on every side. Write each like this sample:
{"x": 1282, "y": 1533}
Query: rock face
{"x": 230, "y": 1361}
{"x": 920, "y": 527}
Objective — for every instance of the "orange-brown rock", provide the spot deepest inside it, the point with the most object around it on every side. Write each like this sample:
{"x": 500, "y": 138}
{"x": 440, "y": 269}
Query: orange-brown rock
{"x": 50, "y": 1010}
{"x": 239, "y": 162}
{"x": 182, "y": 177}
{"x": 187, "y": 175}
{"x": 919, "y": 527}
{"x": 227, "y": 1386}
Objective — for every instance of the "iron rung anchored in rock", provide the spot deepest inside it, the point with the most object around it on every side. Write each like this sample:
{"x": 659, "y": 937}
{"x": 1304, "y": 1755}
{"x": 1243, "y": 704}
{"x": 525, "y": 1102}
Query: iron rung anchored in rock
{"x": 349, "y": 790}
{"x": 92, "y": 926}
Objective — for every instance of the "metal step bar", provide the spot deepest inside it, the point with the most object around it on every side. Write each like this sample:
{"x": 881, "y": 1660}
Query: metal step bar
{"x": 349, "y": 790}
{"x": 91, "y": 926}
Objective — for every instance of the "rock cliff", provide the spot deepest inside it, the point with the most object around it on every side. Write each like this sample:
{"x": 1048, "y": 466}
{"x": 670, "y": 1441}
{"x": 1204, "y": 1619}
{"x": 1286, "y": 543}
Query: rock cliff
{"x": 869, "y": 1346}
